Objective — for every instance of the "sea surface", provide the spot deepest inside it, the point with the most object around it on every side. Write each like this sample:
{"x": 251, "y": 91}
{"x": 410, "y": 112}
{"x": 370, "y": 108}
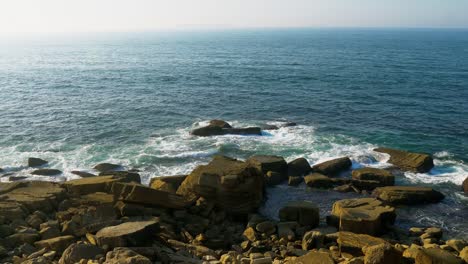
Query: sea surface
{"x": 132, "y": 98}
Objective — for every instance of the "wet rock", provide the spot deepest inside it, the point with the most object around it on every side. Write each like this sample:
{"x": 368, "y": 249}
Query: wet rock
{"x": 167, "y": 184}
{"x": 382, "y": 254}
{"x": 83, "y": 174}
{"x": 270, "y": 127}
{"x": 295, "y": 180}
{"x": 303, "y": 212}
{"x": 408, "y": 194}
{"x": 312, "y": 239}
{"x": 122, "y": 255}
{"x": 362, "y": 215}
{"x": 78, "y": 251}
{"x": 274, "y": 164}
{"x": 317, "y": 180}
{"x": 36, "y": 162}
{"x": 314, "y": 257}
{"x": 216, "y": 130}
{"x": 299, "y": 167}
{"x": 46, "y": 172}
{"x": 104, "y": 167}
{"x": 385, "y": 177}
{"x": 127, "y": 234}
{"x": 353, "y": 243}
{"x": 219, "y": 123}
{"x": 410, "y": 161}
{"x": 333, "y": 167}
{"x": 231, "y": 184}
{"x": 465, "y": 185}
{"x": 21, "y": 238}
{"x": 58, "y": 244}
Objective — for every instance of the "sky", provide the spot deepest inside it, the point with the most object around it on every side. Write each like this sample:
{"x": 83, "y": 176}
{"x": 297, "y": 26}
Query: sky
{"x": 45, "y": 16}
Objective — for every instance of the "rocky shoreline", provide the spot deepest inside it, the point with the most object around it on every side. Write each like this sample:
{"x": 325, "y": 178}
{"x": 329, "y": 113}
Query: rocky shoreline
{"x": 211, "y": 215}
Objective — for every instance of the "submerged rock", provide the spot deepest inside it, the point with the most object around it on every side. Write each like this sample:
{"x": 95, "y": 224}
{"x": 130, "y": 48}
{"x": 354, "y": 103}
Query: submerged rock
{"x": 362, "y": 215}
{"x": 299, "y": 167}
{"x": 417, "y": 162}
{"x": 333, "y": 167}
{"x": 36, "y": 162}
{"x": 385, "y": 177}
{"x": 408, "y": 195}
{"x": 231, "y": 184}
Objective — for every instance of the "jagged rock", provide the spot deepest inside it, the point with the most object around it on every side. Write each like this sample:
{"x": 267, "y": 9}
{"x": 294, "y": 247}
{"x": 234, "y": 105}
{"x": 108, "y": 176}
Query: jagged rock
{"x": 333, "y": 167}
{"x": 304, "y": 212}
{"x": 362, "y": 215}
{"x": 295, "y": 180}
{"x": 83, "y": 174}
{"x": 312, "y": 239}
{"x": 167, "y": 184}
{"x": 49, "y": 232}
{"x": 250, "y": 234}
{"x": 299, "y": 167}
{"x": 408, "y": 194}
{"x": 58, "y": 244}
{"x": 465, "y": 185}
{"x": 381, "y": 254}
{"x": 104, "y": 167}
{"x": 274, "y": 164}
{"x": 36, "y": 162}
{"x": 127, "y": 234}
{"x": 353, "y": 243}
{"x": 317, "y": 180}
{"x": 231, "y": 184}
{"x": 84, "y": 219}
{"x": 416, "y": 162}
{"x": 98, "y": 184}
{"x": 139, "y": 194}
{"x": 314, "y": 257}
{"x": 125, "y": 256}
{"x": 435, "y": 256}
{"x": 220, "y": 123}
{"x": 385, "y": 177}
{"x": 46, "y": 172}
{"x": 78, "y": 251}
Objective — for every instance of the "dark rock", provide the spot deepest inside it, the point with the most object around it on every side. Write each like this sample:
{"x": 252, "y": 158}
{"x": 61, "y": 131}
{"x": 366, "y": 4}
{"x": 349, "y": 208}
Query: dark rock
{"x": 58, "y": 244}
{"x": 229, "y": 183}
{"x": 362, "y": 216}
{"x": 46, "y": 172}
{"x": 289, "y": 124}
{"x": 273, "y": 178}
{"x": 78, "y": 251}
{"x": 295, "y": 180}
{"x": 385, "y": 177}
{"x": 304, "y": 212}
{"x": 317, "y": 180}
{"x": 299, "y": 167}
{"x": 83, "y": 174}
{"x": 416, "y": 162}
{"x": 408, "y": 194}
{"x": 218, "y": 131}
{"x": 127, "y": 234}
{"x": 131, "y": 176}
{"x": 312, "y": 239}
{"x": 168, "y": 183}
{"x": 36, "y": 162}
{"x": 220, "y": 123}
{"x": 333, "y": 167}
{"x": 103, "y": 167}
{"x": 270, "y": 127}
{"x": 465, "y": 185}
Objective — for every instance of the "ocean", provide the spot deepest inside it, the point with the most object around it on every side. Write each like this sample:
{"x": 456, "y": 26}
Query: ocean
{"x": 132, "y": 98}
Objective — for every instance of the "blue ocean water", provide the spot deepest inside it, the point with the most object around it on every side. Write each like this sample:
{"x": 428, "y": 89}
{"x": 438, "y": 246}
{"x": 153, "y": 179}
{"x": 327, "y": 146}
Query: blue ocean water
{"x": 132, "y": 98}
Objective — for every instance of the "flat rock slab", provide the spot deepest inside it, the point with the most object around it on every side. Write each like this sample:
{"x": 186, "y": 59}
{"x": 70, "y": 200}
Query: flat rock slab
{"x": 127, "y": 234}
{"x": 304, "y": 212}
{"x": 385, "y": 177}
{"x": 410, "y": 161}
{"x": 362, "y": 215}
{"x": 143, "y": 195}
{"x": 314, "y": 257}
{"x": 96, "y": 184}
{"x": 408, "y": 195}
{"x": 353, "y": 243}
{"x": 333, "y": 167}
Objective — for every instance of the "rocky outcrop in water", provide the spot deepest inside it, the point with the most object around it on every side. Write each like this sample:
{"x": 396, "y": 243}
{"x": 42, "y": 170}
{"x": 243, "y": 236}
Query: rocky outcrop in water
{"x": 410, "y": 161}
{"x": 465, "y": 186}
{"x": 408, "y": 195}
{"x": 220, "y": 127}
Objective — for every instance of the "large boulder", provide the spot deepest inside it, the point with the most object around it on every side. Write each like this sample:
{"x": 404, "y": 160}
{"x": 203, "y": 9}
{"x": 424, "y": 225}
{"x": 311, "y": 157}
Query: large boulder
{"x": 127, "y": 234}
{"x": 303, "y": 212}
{"x": 82, "y": 174}
{"x": 435, "y": 256}
{"x": 408, "y": 194}
{"x": 125, "y": 256}
{"x": 465, "y": 185}
{"x": 362, "y": 215}
{"x": 167, "y": 183}
{"x": 78, "y": 251}
{"x": 333, "y": 167}
{"x": 231, "y": 184}
{"x": 139, "y": 194}
{"x": 317, "y": 180}
{"x": 36, "y": 162}
{"x": 99, "y": 183}
{"x": 299, "y": 167}
{"x": 417, "y": 162}
{"x": 385, "y": 177}
{"x": 220, "y": 127}
{"x": 354, "y": 243}
{"x": 275, "y": 164}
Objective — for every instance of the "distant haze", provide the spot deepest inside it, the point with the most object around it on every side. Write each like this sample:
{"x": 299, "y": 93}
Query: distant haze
{"x": 35, "y": 16}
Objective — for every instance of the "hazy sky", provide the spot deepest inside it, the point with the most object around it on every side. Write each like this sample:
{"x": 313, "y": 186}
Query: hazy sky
{"x": 19, "y": 16}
